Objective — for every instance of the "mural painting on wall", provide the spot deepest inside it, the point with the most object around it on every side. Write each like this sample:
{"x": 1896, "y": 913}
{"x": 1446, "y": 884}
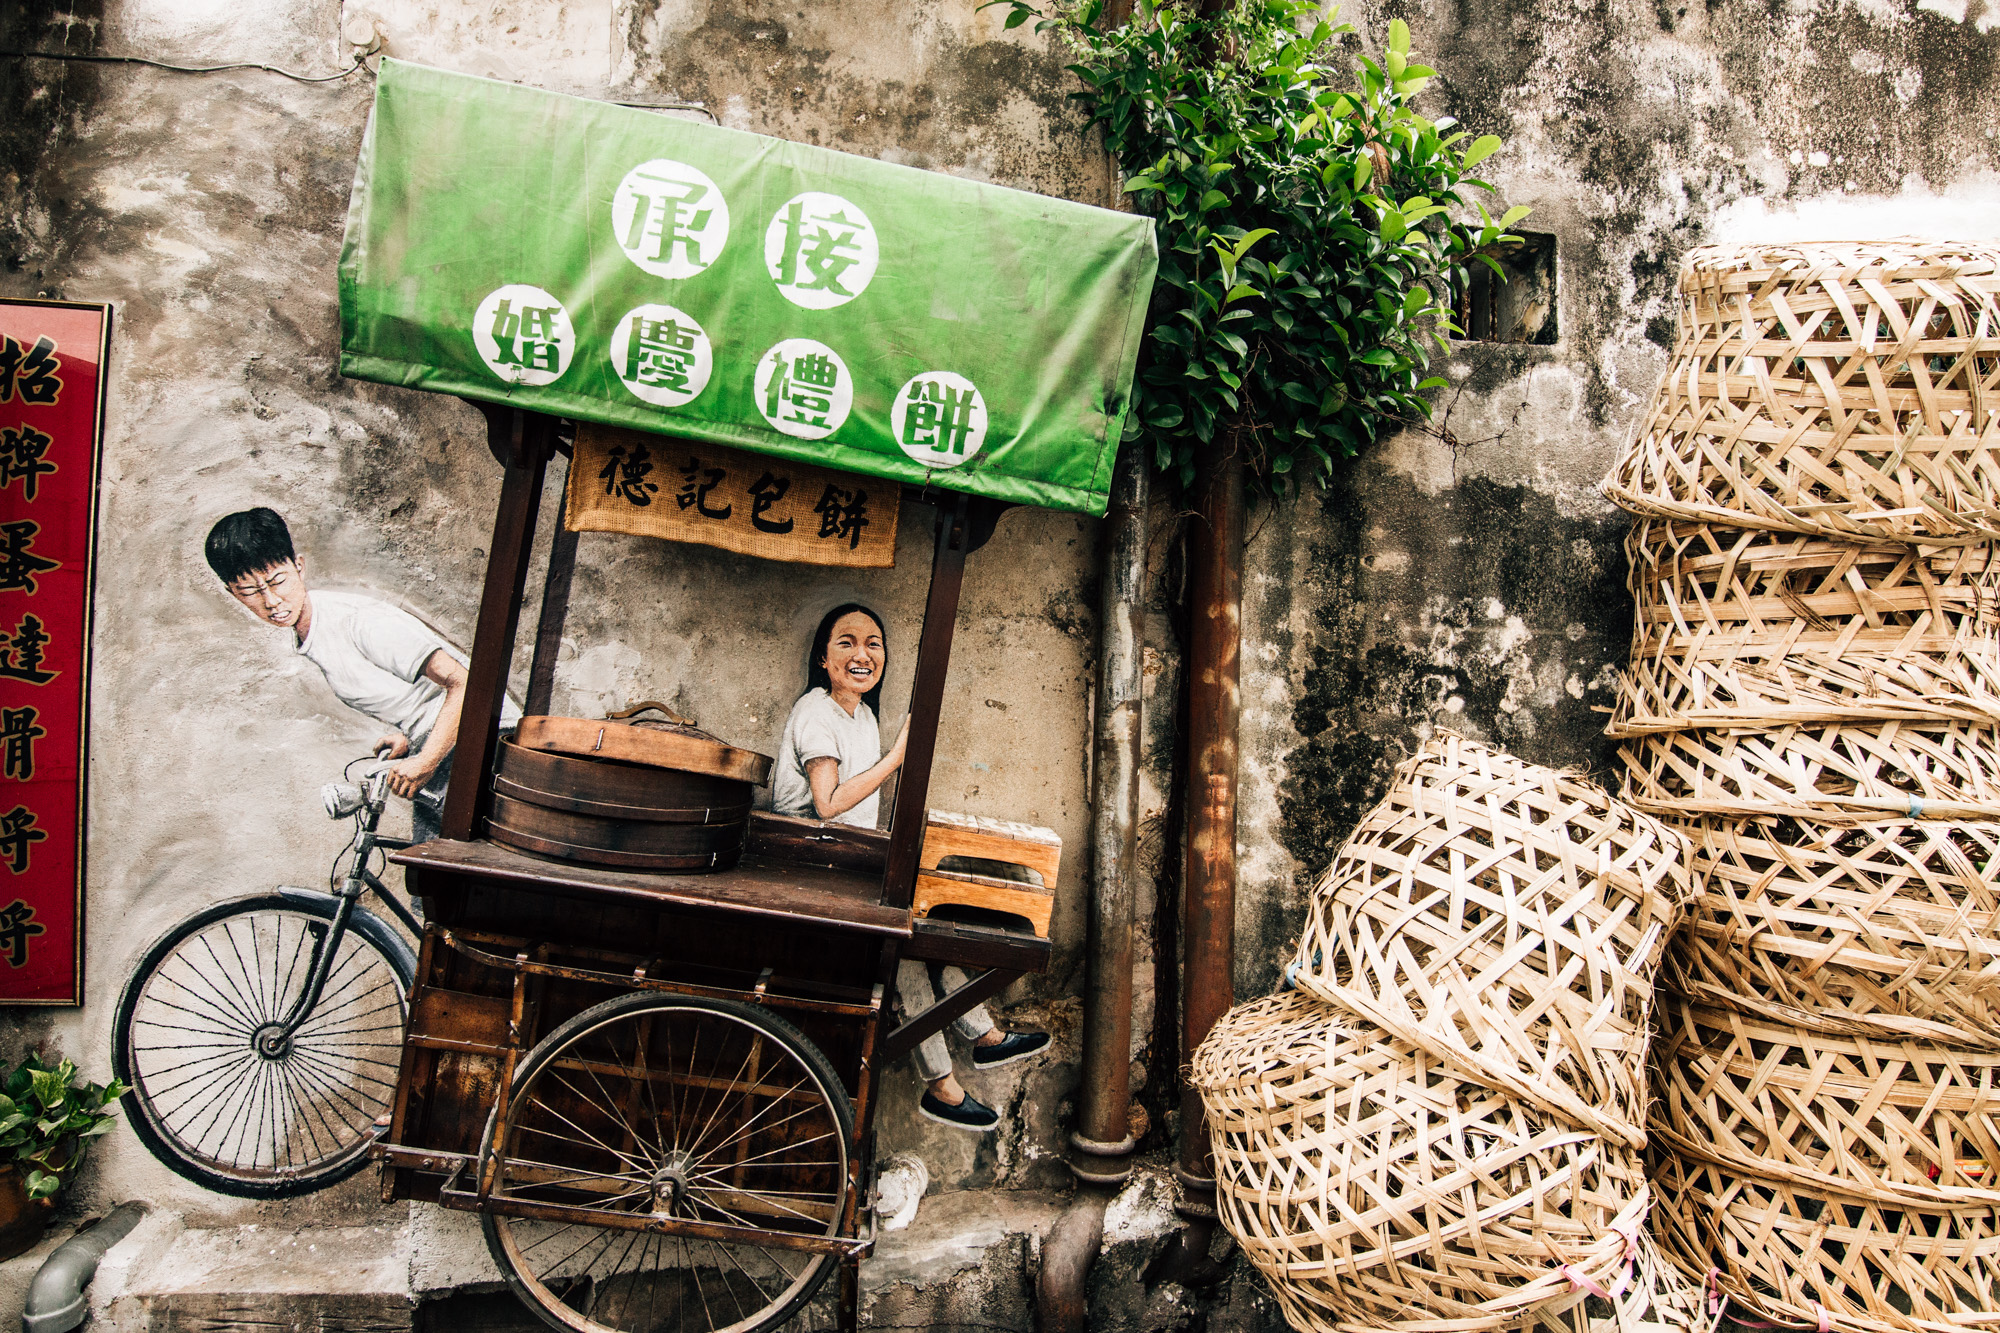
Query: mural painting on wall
{"x": 378, "y": 659}
{"x": 52, "y": 356}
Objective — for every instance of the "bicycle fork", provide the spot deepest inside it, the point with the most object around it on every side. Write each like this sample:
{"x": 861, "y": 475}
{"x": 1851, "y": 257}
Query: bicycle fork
{"x": 273, "y": 1040}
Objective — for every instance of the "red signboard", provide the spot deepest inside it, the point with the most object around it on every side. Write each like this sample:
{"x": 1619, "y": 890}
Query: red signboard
{"x": 51, "y": 419}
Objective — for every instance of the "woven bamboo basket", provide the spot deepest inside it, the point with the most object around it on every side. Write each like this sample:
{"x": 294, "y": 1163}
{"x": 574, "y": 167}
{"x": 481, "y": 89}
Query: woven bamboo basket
{"x": 1741, "y": 627}
{"x": 1374, "y": 1186}
{"x": 1843, "y": 1184}
{"x": 1908, "y": 1121}
{"x": 1841, "y": 390}
{"x": 1836, "y": 771}
{"x": 1786, "y": 1254}
{"x": 1887, "y": 930}
{"x": 1507, "y": 914}
{"x": 1658, "y": 1299}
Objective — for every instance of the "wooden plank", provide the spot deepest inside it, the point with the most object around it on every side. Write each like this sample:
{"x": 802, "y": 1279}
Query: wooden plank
{"x": 906, "y": 829}
{"x": 524, "y": 441}
{"x": 812, "y": 895}
{"x": 469, "y": 1021}
{"x": 938, "y": 941}
{"x": 815, "y": 842}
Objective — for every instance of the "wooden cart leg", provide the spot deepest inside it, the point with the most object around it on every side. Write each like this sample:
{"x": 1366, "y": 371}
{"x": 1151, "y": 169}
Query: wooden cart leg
{"x": 850, "y": 1296}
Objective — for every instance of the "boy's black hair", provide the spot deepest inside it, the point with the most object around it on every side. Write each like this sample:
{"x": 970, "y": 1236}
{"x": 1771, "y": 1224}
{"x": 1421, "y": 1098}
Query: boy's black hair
{"x": 249, "y": 542}
{"x": 816, "y": 676}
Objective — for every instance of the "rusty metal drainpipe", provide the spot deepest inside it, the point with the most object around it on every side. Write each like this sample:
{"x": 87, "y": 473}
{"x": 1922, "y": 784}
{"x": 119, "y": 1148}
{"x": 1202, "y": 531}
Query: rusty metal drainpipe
{"x": 1209, "y": 930}
{"x": 1102, "y": 1141}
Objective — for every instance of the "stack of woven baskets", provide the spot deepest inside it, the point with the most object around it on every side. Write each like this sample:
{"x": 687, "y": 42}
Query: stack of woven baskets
{"x": 1442, "y": 1126}
{"x": 1814, "y": 693}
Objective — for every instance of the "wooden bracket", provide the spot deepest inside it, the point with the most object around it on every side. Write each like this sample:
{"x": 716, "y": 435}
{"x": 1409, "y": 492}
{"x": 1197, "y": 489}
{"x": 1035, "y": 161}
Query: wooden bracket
{"x": 981, "y": 988}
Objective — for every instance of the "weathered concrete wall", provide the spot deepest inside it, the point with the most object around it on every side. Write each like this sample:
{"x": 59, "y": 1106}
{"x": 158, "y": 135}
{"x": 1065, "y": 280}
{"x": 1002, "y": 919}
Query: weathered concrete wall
{"x": 1477, "y": 586}
{"x": 1481, "y": 587}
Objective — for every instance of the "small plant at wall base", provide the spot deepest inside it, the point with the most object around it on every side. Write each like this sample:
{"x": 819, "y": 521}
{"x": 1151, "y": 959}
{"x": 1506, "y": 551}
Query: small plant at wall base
{"x": 1306, "y": 231}
{"x": 47, "y": 1119}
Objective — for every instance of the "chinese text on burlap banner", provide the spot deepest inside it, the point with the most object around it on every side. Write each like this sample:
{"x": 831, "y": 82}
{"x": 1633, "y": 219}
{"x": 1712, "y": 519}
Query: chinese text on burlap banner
{"x": 51, "y": 415}
{"x": 619, "y": 266}
{"x": 687, "y": 491}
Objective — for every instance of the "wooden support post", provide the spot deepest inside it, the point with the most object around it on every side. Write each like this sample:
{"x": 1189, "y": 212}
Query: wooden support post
{"x": 906, "y": 829}
{"x": 555, "y": 611}
{"x": 523, "y": 441}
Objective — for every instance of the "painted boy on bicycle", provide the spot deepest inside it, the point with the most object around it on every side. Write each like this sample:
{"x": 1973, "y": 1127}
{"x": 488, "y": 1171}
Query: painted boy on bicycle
{"x": 378, "y": 659}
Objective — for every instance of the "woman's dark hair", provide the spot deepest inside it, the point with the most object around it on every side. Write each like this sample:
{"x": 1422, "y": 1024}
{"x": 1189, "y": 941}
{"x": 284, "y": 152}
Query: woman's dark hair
{"x": 816, "y": 677}
{"x": 248, "y": 542}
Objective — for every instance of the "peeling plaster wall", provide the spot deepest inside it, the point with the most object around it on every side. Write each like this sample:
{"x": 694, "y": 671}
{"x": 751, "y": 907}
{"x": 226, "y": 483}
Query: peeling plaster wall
{"x": 1481, "y": 587}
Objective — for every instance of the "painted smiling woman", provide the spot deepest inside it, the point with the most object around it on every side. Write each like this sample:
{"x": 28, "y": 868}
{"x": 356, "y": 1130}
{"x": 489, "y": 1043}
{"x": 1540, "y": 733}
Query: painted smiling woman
{"x": 831, "y": 766}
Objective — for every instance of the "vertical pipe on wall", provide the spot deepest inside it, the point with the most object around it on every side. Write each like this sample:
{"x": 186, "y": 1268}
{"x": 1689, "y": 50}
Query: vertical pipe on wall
{"x": 1214, "y": 710}
{"x": 1103, "y": 1137}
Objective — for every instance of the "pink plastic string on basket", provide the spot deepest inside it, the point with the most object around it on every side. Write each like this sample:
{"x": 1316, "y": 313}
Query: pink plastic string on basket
{"x": 1713, "y": 1295}
{"x": 1627, "y": 1268}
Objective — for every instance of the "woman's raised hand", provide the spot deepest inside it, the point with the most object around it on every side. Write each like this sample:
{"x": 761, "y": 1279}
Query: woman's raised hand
{"x": 902, "y": 739}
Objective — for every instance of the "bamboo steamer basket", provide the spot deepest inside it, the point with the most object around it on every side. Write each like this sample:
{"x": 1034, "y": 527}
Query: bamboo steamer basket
{"x": 1844, "y": 1182}
{"x": 1741, "y": 627}
{"x": 635, "y": 795}
{"x": 1833, "y": 771}
{"x": 674, "y": 743}
{"x": 1888, "y": 930}
{"x": 1838, "y": 390}
{"x": 1509, "y": 915}
{"x": 1376, "y": 1185}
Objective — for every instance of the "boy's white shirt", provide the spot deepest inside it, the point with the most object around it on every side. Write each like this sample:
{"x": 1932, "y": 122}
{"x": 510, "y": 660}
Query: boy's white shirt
{"x": 373, "y": 654}
{"x": 819, "y": 728}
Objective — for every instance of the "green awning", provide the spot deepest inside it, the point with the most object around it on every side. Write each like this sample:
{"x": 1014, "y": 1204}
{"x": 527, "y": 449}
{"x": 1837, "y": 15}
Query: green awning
{"x": 616, "y": 265}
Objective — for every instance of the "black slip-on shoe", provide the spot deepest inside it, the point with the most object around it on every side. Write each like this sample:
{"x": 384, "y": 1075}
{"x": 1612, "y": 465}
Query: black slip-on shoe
{"x": 1014, "y": 1046}
{"x": 969, "y": 1114}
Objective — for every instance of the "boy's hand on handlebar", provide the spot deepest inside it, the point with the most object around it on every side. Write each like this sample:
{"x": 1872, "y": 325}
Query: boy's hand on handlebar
{"x": 391, "y": 745}
{"x": 407, "y": 776}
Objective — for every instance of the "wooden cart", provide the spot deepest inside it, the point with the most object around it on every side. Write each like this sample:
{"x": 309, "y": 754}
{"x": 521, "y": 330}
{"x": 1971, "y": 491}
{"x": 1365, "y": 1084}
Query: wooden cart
{"x": 658, "y": 1090}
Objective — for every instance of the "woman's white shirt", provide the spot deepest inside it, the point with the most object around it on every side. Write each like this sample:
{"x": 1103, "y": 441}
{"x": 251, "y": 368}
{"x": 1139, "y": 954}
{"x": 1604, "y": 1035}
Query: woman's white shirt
{"x": 819, "y": 728}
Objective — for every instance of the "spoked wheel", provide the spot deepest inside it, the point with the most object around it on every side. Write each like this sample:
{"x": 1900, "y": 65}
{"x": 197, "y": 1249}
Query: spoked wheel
{"x": 219, "y": 1093}
{"x": 705, "y": 1111}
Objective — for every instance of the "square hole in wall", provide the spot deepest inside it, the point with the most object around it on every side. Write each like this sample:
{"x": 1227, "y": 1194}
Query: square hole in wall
{"x": 1519, "y": 308}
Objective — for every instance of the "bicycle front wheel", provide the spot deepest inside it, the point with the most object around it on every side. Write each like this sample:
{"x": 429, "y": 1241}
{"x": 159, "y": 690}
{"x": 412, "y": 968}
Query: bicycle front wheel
{"x": 216, "y": 1094}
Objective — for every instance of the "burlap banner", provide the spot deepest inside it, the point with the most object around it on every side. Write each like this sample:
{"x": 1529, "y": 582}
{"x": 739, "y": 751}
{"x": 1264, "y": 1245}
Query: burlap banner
{"x": 685, "y": 491}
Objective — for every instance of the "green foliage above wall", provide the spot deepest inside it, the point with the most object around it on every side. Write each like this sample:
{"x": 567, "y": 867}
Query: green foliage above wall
{"x": 1308, "y": 231}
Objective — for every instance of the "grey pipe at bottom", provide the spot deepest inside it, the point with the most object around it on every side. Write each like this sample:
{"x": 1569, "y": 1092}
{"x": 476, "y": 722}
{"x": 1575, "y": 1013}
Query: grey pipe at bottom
{"x": 56, "y": 1300}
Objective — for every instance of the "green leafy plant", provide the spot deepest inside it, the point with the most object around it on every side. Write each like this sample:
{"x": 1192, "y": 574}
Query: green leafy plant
{"x": 1311, "y": 226}
{"x": 47, "y": 1119}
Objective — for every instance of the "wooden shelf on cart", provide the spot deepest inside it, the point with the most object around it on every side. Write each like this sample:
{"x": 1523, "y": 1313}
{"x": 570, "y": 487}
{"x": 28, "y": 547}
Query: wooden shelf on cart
{"x": 761, "y": 886}
{"x": 812, "y": 895}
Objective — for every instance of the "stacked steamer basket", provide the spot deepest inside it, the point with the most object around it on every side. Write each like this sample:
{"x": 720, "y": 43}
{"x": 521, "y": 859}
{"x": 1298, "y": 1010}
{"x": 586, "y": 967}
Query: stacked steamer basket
{"x": 1442, "y": 1127}
{"x": 626, "y": 792}
{"x": 1814, "y": 692}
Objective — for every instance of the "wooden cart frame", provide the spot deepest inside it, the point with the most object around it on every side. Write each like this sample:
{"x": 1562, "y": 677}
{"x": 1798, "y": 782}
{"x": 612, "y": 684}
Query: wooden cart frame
{"x": 808, "y": 929}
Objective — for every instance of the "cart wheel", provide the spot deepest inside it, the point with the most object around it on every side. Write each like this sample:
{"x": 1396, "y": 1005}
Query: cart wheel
{"x": 709, "y": 1111}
